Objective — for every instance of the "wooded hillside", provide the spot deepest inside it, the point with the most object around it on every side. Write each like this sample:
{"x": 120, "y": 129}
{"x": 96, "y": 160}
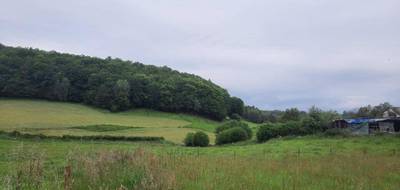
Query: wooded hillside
{"x": 110, "y": 83}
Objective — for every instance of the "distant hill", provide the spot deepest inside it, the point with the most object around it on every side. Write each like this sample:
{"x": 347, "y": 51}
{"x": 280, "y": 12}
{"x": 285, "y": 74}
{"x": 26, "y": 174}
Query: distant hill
{"x": 110, "y": 83}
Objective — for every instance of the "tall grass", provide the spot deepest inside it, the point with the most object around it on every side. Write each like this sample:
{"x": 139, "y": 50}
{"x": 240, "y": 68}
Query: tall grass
{"x": 105, "y": 169}
{"x": 354, "y": 171}
{"x": 27, "y": 172}
{"x": 112, "y": 169}
{"x": 141, "y": 169}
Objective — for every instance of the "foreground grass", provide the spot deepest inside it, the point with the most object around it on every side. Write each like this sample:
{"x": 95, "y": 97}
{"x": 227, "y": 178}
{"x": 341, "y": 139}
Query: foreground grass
{"x": 56, "y": 118}
{"x": 294, "y": 163}
{"x": 310, "y": 162}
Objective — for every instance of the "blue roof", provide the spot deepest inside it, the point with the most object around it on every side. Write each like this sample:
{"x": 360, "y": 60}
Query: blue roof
{"x": 366, "y": 120}
{"x": 357, "y": 121}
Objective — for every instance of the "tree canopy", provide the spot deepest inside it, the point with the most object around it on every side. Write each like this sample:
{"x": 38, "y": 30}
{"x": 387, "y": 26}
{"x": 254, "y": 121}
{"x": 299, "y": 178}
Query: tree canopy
{"x": 110, "y": 83}
{"x": 369, "y": 111}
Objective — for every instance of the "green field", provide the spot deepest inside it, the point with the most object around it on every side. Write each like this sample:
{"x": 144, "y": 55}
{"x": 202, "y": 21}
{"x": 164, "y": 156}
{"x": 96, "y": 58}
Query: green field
{"x": 310, "y": 162}
{"x": 291, "y": 163}
{"x": 55, "y": 118}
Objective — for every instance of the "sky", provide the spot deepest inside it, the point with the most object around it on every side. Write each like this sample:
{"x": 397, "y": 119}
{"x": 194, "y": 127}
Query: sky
{"x": 275, "y": 54}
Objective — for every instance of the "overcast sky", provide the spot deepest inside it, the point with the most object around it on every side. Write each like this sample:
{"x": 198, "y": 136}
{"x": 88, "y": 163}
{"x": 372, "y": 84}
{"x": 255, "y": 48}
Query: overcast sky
{"x": 275, "y": 54}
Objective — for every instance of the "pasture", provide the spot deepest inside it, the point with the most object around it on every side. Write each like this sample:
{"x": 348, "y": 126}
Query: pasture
{"x": 55, "y": 118}
{"x": 309, "y": 162}
{"x": 290, "y": 163}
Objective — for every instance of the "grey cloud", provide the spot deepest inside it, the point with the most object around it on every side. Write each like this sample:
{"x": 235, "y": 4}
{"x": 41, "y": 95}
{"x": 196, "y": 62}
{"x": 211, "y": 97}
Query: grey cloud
{"x": 274, "y": 54}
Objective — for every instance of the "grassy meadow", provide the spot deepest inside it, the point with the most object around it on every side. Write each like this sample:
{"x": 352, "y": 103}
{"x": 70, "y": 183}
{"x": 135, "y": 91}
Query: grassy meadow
{"x": 55, "y": 118}
{"x": 310, "y": 162}
{"x": 290, "y": 163}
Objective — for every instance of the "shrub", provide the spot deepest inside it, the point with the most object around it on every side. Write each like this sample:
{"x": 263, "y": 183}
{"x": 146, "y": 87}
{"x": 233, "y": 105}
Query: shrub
{"x": 293, "y": 128}
{"x": 235, "y": 116}
{"x": 290, "y": 128}
{"x": 231, "y": 135}
{"x": 266, "y": 132}
{"x": 196, "y": 139}
{"x": 233, "y": 124}
{"x": 189, "y": 139}
{"x": 337, "y": 132}
{"x": 310, "y": 124}
{"x": 201, "y": 139}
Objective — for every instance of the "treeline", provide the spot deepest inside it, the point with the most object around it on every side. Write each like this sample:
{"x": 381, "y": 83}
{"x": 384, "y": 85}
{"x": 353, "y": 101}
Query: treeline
{"x": 372, "y": 111}
{"x": 256, "y": 115}
{"x": 292, "y": 122}
{"x": 312, "y": 122}
{"x": 110, "y": 83}
{"x": 253, "y": 114}
{"x": 295, "y": 123}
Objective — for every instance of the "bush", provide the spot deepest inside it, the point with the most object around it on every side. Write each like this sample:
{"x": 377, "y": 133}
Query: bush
{"x": 294, "y": 128}
{"x": 311, "y": 124}
{"x": 201, "y": 139}
{"x": 231, "y": 135}
{"x": 233, "y": 124}
{"x": 197, "y": 139}
{"x": 291, "y": 128}
{"x": 266, "y": 132}
{"x": 337, "y": 132}
{"x": 235, "y": 116}
{"x": 189, "y": 139}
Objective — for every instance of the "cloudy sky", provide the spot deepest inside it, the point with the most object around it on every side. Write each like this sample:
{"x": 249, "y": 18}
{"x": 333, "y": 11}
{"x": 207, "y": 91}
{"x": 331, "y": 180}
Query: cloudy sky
{"x": 275, "y": 54}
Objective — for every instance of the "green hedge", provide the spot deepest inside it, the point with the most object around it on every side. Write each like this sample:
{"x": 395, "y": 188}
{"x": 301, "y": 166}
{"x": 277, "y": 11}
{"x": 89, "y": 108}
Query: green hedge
{"x": 232, "y": 131}
{"x": 272, "y": 130}
{"x": 233, "y": 124}
{"x": 231, "y": 135}
{"x": 17, "y": 134}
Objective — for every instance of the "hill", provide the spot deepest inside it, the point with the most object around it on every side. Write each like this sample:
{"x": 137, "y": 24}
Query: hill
{"x": 110, "y": 83}
{"x": 57, "y": 118}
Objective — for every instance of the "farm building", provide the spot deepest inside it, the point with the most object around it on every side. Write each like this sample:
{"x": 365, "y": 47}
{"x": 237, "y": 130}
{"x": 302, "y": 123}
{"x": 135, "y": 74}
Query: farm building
{"x": 393, "y": 112}
{"x": 363, "y": 126}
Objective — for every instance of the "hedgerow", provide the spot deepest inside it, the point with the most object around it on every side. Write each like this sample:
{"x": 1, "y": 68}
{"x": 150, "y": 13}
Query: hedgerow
{"x": 17, "y": 134}
{"x": 232, "y": 131}
{"x": 231, "y": 135}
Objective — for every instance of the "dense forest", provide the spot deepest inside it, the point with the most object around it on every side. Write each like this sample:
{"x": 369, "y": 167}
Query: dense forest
{"x": 110, "y": 83}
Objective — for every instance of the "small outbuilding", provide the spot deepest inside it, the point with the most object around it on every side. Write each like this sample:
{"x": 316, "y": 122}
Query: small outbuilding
{"x": 364, "y": 126}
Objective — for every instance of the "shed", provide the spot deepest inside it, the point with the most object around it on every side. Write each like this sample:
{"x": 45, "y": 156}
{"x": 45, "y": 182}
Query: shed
{"x": 363, "y": 126}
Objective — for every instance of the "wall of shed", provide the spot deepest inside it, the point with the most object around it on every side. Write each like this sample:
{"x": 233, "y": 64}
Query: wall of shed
{"x": 386, "y": 127}
{"x": 359, "y": 129}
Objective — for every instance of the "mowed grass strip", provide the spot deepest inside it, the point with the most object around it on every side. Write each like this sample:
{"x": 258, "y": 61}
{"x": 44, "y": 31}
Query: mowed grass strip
{"x": 104, "y": 128}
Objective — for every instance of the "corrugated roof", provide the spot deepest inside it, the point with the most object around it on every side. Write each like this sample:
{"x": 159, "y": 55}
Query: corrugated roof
{"x": 357, "y": 121}
{"x": 365, "y": 120}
